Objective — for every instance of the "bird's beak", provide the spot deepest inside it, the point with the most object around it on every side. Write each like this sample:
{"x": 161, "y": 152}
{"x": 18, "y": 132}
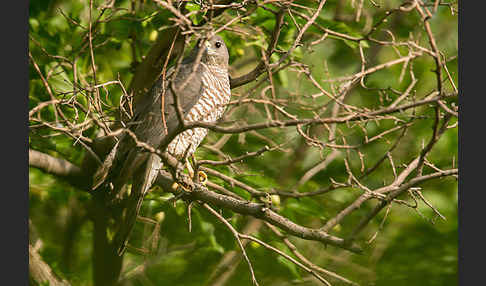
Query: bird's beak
{"x": 210, "y": 50}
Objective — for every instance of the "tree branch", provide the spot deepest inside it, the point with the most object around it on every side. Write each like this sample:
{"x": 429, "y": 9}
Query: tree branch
{"x": 395, "y": 193}
{"x": 260, "y": 68}
{"x": 40, "y": 271}
{"x": 60, "y": 168}
{"x": 257, "y": 210}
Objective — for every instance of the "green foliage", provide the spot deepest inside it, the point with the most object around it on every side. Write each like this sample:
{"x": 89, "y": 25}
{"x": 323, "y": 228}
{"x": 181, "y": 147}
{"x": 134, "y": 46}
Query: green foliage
{"x": 412, "y": 248}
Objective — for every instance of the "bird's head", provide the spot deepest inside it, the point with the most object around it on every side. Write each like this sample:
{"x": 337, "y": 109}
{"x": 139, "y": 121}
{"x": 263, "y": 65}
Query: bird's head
{"x": 216, "y": 53}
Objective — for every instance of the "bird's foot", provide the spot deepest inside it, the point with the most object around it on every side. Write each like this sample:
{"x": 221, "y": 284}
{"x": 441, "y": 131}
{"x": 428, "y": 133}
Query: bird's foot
{"x": 184, "y": 187}
{"x": 182, "y": 180}
{"x": 202, "y": 177}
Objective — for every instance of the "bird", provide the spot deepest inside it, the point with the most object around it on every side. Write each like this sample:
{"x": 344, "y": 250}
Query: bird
{"x": 202, "y": 87}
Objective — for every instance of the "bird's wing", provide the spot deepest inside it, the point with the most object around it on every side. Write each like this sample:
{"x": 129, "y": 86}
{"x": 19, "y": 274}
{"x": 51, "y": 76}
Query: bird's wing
{"x": 151, "y": 129}
{"x": 143, "y": 180}
{"x": 148, "y": 124}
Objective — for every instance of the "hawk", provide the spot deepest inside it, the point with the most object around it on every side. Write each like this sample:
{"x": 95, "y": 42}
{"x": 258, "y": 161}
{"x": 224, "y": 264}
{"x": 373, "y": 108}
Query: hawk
{"x": 202, "y": 88}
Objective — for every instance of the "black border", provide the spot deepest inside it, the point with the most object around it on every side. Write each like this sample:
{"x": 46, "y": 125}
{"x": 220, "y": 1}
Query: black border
{"x": 14, "y": 118}
{"x": 471, "y": 143}
{"x": 14, "y": 210}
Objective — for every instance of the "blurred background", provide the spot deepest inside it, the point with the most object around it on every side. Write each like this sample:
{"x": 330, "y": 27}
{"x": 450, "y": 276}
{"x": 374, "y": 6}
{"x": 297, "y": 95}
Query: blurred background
{"x": 407, "y": 243}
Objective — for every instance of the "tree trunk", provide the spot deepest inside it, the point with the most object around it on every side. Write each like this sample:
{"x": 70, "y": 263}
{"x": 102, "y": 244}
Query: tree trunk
{"x": 106, "y": 262}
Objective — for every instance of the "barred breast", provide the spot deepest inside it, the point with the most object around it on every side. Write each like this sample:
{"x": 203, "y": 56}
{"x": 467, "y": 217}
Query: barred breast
{"x": 209, "y": 108}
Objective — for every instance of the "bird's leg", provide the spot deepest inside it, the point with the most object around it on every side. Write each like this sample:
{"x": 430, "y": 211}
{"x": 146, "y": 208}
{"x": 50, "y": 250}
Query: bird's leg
{"x": 201, "y": 176}
{"x": 190, "y": 170}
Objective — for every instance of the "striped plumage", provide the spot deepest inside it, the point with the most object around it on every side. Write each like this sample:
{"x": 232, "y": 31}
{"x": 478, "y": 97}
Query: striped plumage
{"x": 203, "y": 98}
{"x": 209, "y": 108}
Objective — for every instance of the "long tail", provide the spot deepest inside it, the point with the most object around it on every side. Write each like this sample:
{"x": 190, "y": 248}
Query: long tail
{"x": 142, "y": 181}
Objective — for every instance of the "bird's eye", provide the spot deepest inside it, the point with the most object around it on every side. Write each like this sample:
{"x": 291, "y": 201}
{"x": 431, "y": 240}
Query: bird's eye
{"x": 218, "y": 45}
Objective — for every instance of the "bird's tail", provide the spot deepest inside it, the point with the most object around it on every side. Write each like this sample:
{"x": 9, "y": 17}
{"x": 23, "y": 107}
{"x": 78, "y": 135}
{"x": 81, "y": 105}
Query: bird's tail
{"x": 142, "y": 182}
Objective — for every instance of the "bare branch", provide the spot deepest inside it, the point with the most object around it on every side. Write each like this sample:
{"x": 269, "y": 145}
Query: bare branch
{"x": 257, "y": 210}
{"x": 41, "y": 272}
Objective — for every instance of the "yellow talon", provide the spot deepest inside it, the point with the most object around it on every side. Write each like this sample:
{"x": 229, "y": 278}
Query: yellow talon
{"x": 202, "y": 177}
{"x": 175, "y": 186}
